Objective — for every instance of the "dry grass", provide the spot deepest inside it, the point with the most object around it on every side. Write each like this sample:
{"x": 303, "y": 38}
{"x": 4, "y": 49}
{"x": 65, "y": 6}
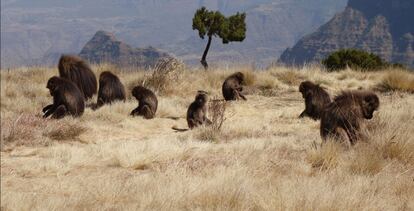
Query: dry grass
{"x": 262, "y": 157}
{"x": 397, "y": 80}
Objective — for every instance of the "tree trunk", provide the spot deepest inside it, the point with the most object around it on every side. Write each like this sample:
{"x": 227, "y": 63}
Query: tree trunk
{"x": 203, "y": 59}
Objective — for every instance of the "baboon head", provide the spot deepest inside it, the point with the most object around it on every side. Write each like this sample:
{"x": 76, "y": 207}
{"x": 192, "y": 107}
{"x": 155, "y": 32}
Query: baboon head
{"x": 306, "y": 88}
{"x": 201, "y": 97}
{"x": 52, "y": 84}
{"x": 370, "y": 103}
{"x": 240, "y": 77}
{"x": 138, "y": 91}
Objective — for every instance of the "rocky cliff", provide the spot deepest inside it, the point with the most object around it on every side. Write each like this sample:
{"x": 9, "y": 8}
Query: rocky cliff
{"x": 383, "y": 27}
{"x": 104, "y": 47}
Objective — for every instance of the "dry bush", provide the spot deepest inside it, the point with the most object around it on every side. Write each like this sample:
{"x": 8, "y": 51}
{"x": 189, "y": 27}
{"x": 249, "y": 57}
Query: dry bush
{"x": 397, "y": 80}
{"x": 325, "y": 156}
{"x": 63, "y": 130}
{"x": 21, "y": 130}
{"x": 167, "y": 72}
{"x": 217, "y": 115}
{"x": 289, "y": 77}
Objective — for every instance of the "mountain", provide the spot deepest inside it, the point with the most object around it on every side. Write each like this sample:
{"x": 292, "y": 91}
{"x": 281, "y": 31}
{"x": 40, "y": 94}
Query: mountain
{"x": 383, "y": 27}
{"x": 37, "y": 32}
{"x": 104, "y": 47}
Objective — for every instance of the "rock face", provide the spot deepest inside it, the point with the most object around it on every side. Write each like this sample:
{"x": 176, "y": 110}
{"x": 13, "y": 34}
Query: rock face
{"x": 105, "y": 48}
{"x": 383, "y": 27}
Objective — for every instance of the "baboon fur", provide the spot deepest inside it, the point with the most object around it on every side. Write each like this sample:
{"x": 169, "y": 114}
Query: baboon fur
{"x": 67, "y": 99}
{"x": 79, "y": 72}
{"x": 197, "y": 111}
{"x": 343, "y": 118}
{"x": 110, "y": 89}
{"x": 232, "y": 87}
{"x": 316, "y": 99}
{"x": 147, "y": 102}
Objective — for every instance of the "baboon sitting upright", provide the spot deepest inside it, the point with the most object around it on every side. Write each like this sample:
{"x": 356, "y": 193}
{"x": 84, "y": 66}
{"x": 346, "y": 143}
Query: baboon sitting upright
{"x": 147, "y": 102}
{"x": 316, "y": 99}
{"x": 343, "y": 117}
{"x": 232, "y": 87}
{"x": 110, "y": 89}
{"x": 67, "y": 99}
{"x": 74, "y": 69}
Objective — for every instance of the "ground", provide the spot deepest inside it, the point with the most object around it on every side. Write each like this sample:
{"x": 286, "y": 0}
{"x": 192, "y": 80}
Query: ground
{"x": 263, "y": 158}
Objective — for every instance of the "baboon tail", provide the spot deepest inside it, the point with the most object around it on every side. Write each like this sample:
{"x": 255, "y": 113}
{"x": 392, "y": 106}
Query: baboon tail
{"x": 179, "y": 129}
{"x": 173, "y": 117}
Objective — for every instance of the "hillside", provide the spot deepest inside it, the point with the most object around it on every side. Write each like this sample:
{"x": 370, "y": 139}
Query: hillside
{"x": 264, "y": 157}
{"x": 105, "y": 48}
{"x": 382, "y": 27}
{"x": 38, "y": 32}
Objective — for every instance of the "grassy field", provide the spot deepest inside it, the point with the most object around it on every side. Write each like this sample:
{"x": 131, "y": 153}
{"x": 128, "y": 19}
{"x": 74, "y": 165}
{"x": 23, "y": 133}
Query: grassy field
{"x": 263, "y": 158}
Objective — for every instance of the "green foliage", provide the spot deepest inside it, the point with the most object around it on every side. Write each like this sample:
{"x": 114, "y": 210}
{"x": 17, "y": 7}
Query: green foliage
{"x": 355, "y": 59}
{"x": 213, "y": 23}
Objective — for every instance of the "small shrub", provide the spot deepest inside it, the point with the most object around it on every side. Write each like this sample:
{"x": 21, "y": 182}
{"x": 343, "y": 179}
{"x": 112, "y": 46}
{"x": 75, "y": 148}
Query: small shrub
{"x": 354, "y": 59}
{"x": 397, "y": 80}
{"x": 167, "y": 71}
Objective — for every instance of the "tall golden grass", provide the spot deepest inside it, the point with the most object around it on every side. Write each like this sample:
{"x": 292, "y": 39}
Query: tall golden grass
{"x": 263, "y": 157}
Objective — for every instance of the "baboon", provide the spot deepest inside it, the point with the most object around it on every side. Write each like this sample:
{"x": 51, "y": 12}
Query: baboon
{"x": 197, "y": 111}
{"x": 147, "y": 102}
{"x": 343, "y": 117}
{"x": 67, "y": 99}
{"x": 316, "y": 98}
{"x": 78, "y": 71}
{"x": 232, "y": 87}
{"x": 110, "y": 89}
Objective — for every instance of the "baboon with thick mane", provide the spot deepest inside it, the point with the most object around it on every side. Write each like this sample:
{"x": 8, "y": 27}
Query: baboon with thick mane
{"x": 67, "y": 99}
{"x": 232, "y": 87}
{"x": 110, "y": 89}
{"x": 79, "y": 72}
{"x": 147, "y": 102}
{"x": 316, "y": 99}
{"x": 343, "y": 117}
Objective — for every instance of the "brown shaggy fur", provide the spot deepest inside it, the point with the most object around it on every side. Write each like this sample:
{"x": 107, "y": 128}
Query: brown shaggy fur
{"x": 232, "y": 87}
{"x": 67, "y": 99}
{"x": 346, "y": 113}
{"x": 316, "y": 99}
{"x": 110, "y": 89}
{"x": 78, "y": 71}
{"x": 147, "y": 102}
{"x": 197, "y": 111}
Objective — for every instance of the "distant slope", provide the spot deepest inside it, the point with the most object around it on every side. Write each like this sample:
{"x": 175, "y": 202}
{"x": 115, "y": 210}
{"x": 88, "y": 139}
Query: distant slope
{"x": 104, "y": 47}
{"x": 37, "y": 32}
{"x": 383, "y": 27}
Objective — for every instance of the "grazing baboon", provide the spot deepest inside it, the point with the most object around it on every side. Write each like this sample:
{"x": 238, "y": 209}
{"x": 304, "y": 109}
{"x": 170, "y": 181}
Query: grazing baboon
{"x": 78, "y": 71}
{"x": 197, "y": 112}
{"x": 232, "y": 87}
{"x": 147, "y": 102}
{"x": 344, "y": 116}
{"x": 316, "y": 98}
{"x": 110, "y": 89}
{"x": 67, "y": 99}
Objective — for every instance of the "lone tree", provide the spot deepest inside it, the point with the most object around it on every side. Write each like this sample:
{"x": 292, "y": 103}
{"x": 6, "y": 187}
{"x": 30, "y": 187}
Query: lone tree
{"x": 213, "y": 23}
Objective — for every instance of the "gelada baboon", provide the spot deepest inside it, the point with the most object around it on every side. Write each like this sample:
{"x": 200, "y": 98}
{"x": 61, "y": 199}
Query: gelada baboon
{"x": 110, "y": 89}
{"x": 316, "y": 98}
{"x": 78, "y": 71}
{"x": 67, "y": 99}
{"x": 147, "y": 102}
{"x": 197, "y": 112}
{"x": 232, "y": 87}
{"x": 343, "y": 118}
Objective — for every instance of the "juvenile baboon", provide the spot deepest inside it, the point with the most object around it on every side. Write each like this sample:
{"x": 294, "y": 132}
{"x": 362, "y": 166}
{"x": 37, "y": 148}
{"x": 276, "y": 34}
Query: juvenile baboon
{"x": 197, "y": 112}
{"x": 110, "y": 89}
{"x": 67, "y": 99}
{"x": 78, "y": 71}
{"x": 344, "y": 116}
{"x": 147, "y": 102}
{"x": 316, "y": 98}
{"x": 232, "y": 87}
